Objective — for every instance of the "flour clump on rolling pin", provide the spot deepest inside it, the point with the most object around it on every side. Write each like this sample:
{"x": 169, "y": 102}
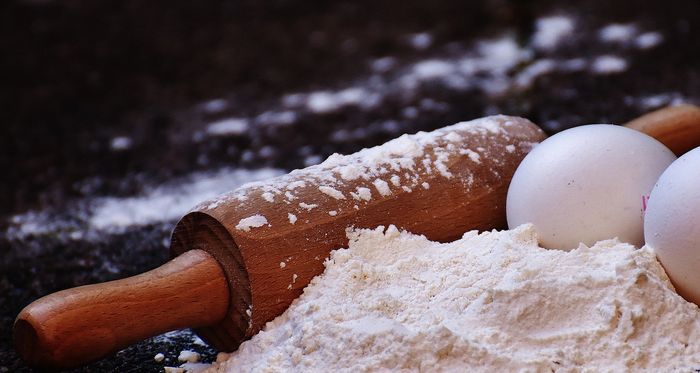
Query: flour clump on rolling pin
{"x": 254, "y": 221}
{"x": 494, "y": 301}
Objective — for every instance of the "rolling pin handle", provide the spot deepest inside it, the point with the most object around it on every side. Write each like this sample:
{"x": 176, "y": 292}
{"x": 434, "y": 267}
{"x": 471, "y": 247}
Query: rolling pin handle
{"x": 75, "y": 326}
{"x": 677, "y": 127}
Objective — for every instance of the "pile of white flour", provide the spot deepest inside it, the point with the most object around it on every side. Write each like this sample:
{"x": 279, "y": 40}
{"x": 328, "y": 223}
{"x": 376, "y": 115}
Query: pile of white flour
{"x": 488, "y": 302}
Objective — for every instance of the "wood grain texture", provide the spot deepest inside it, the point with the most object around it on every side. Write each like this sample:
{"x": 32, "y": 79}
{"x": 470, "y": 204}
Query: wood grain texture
{"x": 677, "y": 127}
{"x": 75, "y": 326}
{"x": 262, "y": 287}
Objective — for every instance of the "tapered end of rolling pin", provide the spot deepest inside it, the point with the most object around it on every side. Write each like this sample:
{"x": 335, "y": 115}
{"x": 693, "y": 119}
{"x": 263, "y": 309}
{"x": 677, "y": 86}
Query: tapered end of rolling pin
{"x": 76, "y": 326}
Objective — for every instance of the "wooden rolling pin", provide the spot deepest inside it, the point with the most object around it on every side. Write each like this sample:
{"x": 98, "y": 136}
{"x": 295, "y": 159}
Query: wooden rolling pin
{"x": 241, "y": 259}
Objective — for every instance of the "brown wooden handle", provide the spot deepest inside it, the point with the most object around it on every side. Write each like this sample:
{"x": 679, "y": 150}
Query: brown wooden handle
{"x": 677, "y": 127}
{"x": 75, "y": 326}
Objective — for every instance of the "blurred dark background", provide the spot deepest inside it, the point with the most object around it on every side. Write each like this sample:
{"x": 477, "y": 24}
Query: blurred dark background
{"x": 128, "y": 103}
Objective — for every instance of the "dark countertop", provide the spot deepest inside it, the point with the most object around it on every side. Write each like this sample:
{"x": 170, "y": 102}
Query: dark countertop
{"x": 107, "y": 104}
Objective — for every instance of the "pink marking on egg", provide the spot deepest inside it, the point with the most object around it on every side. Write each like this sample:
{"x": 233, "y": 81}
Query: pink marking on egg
{"x": 645, "y": 200}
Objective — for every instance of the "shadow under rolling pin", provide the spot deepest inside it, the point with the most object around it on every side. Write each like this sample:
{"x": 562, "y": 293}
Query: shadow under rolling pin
{"x": 241, "y": 259}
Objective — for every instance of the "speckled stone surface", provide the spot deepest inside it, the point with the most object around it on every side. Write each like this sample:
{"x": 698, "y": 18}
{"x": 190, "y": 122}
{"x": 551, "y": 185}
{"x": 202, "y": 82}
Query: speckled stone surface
{"x": 121, "y": 103}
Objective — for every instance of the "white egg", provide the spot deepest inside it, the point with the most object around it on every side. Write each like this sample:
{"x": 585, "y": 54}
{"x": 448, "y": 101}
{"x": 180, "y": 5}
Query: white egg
{"x": 672, "y": 224}
{"x": 587, "y": 184}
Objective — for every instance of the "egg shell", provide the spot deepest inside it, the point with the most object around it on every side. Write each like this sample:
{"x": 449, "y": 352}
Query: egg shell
{"x": 587, "y": 184}
{"x": 672, "y": 224}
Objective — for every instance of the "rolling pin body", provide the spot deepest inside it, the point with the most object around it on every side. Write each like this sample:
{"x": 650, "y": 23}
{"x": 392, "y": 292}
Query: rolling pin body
{"x": 271, "y": 238}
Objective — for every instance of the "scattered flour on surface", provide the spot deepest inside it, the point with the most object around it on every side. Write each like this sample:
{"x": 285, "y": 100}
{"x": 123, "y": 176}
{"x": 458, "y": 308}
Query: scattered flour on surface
{"x": 323, "y": 102}
{"x": 495, "y": 301}
{"x": 255, "y": 221}
{"x": 383, "y": 64}
{"x": 608, "y": 64}
{"x": 231, "y": 126}
{"x": 529, "y": 74}
{"x": 195, "y": 367}
{"x": 629, "y": 34}
{"x": 432, "y": 69}
{"x": 215, "y": 106}
{"x": 551, "y": 31}
{"x": 648, "y": 40}
{"x": 188, "y": 356}
{"x": 617, "y": 33}
{"x": 120, "y": 143}
{"x": 190, "y": 360}
{"x": 656, "y": 101}
{"x": 276, "y": 118}
{"x": 169, "y": 201}
{"x": 421, "y": 40}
